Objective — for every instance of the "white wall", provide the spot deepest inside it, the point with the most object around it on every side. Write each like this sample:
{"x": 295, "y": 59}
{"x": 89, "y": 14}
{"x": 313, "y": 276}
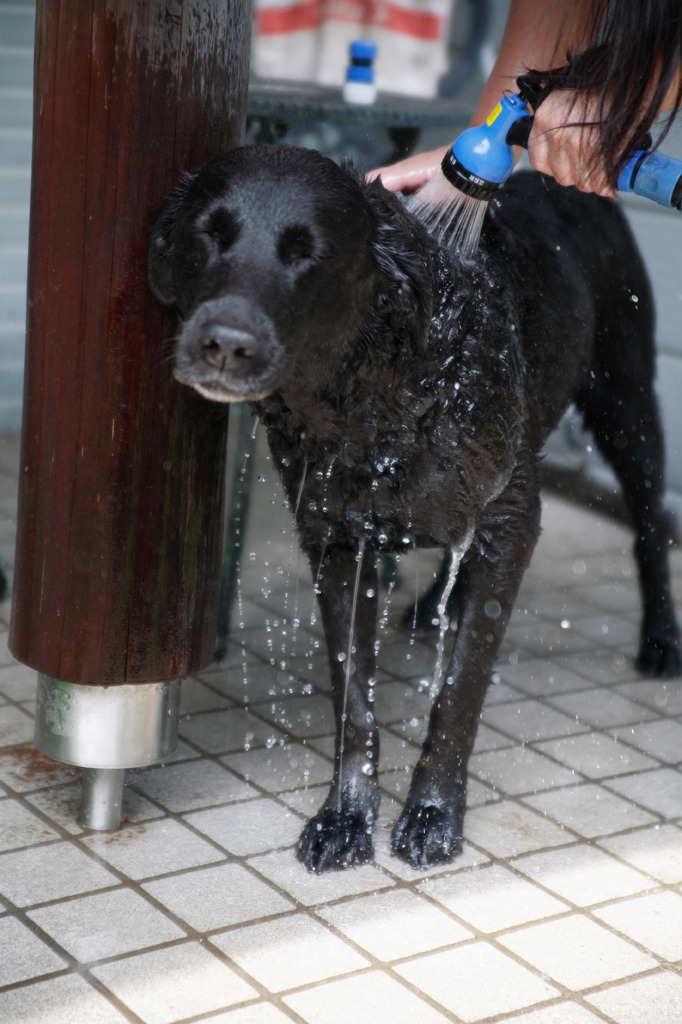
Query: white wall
{"x": 16, "y": 76}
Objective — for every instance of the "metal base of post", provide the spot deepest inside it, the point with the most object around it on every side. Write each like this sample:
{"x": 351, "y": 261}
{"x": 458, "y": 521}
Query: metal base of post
{"x": 102, "y": 805}
{"x": 106, "y": 729}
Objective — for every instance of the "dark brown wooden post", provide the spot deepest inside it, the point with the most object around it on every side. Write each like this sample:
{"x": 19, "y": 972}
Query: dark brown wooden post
{"x": 121, "y": 493}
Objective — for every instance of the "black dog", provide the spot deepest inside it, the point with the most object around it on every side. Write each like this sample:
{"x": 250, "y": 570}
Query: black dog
{"x": 407, "y": 394}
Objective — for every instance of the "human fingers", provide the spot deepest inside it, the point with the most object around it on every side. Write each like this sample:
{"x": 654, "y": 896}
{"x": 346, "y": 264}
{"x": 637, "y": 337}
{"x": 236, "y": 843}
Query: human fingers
{"x": 410, "y": 174}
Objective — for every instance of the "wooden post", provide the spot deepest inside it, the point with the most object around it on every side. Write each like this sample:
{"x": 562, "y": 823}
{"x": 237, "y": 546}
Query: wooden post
{"x": 121, "y": 489}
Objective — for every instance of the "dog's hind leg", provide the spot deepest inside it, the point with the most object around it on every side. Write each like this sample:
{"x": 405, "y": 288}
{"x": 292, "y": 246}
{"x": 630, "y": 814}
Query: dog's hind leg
{"x": 623, "y": 416}
{"x": 430, "y": 829}
{"x": 340, "y": 834}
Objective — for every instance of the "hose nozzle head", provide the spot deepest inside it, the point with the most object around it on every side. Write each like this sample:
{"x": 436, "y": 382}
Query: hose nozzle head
{"x": 481, "y": 159}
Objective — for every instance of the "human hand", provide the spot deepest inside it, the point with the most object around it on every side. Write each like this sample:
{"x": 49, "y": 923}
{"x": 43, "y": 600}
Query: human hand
{"x": 410, "y": 174}
{"x": 561, "y": 146}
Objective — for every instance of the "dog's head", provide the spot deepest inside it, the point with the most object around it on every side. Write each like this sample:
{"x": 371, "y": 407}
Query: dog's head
{"x": 274, "y": 257}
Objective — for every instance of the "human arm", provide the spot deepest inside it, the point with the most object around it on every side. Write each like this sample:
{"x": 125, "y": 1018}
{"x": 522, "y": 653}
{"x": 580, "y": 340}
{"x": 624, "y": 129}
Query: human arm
{"x": 534, "y": 35}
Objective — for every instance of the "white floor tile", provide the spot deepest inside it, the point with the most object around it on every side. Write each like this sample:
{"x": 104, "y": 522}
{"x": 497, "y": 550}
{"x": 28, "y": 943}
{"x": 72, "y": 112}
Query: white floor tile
{"x": 661, "y": 739}
{"x": 106, "y": 924}
{"x": 660, "y": 791}
{"x": 289, "y": 952}
{"x": 507, "y": 829}
{"x": 284, "y": 870}
{"x": 167, "y": 985}
{"x": 192, "y": 784}
{"x": 51, "y": 871}
{"x": 565, "y": 1012}
{"x": 601, "y": 708}
{"x": 476, "y": 981}
{"x": 596, "y": 756}
{"x": 18, "y": 682}
{"x": 655, "y": 922}
{"x": 18, "y": 827}
{"x": 493, "y": 898}
{"x": 372, "y": 996}
{"x": 255, "y": 1013}
{"x": 25, "y": 770}
{"x": 596, "y": 955}
{"x": 519, "y": 770}
{"x": 654, "y": 850}
{"x": 215, "y": 897}
{"x": 248, "y": 828}
{"x": 152, "y": 848}
{"x": 531, "y": 720}
{"x": 60, "y": 1001}
{"x": 649, "y": 1000}
{"x": 300, "y": 716}
{"x": 220, "y": 732}
{"x": 583, "y": 875}
{"x": 278, "y": 768}
{"x": 16, "y": 726}
{"x": 541, "y": 677}
{"x": 664, "y": 696}
{"x": 395, "y": 924}
{"x": 590, "y": 810}
{"x": 24, "y": 955}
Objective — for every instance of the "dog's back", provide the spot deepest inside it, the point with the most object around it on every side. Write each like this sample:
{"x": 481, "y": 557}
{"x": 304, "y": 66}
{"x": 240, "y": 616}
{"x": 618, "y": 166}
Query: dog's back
{"x": 580, "y": 286}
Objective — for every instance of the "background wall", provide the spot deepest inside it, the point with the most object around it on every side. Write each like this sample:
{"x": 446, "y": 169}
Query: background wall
{"x": 16, "y": 76}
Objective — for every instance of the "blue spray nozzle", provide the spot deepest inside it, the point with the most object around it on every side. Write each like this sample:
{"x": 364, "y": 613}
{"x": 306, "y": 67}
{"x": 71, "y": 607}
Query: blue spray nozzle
{"x": 481, "y": 159}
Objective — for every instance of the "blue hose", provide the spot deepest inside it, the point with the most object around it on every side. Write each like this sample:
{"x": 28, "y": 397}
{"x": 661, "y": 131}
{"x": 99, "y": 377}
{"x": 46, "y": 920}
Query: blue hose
{"x": 654, "y": 176}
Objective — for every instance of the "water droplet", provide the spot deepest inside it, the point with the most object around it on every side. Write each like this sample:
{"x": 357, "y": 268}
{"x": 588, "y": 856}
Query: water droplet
{"x": 370, "y": 592}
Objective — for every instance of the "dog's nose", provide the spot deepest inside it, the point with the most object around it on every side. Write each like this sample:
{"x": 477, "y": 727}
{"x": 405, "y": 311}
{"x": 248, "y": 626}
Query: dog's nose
{"x": 226, "y": 348}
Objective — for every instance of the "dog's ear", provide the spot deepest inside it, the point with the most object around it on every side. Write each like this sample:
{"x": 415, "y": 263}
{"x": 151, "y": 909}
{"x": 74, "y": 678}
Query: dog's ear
{"x": 160, "y": 252}
{"x": 397, "y": 244}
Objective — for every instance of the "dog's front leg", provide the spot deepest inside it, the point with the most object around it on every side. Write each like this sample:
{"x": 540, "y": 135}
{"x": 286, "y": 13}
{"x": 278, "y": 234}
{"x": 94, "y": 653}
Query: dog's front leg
{"x": 430, "y": 829}
{"x": 340, "y": 834}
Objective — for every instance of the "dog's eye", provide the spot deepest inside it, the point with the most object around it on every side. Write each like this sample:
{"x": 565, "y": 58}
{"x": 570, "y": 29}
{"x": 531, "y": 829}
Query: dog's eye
{"x": 222, "y": 229}
{"x": 295, "y": 244}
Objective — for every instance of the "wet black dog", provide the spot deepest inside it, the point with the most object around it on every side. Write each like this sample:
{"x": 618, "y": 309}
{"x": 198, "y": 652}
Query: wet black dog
{"x": 407, "y": 394}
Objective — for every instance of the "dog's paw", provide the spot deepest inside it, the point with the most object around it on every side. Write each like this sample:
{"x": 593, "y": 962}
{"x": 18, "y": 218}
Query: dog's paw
{"x": 425, "y": 835}
{"x": 334, "y": 840}
{"x": 659, "y": 658}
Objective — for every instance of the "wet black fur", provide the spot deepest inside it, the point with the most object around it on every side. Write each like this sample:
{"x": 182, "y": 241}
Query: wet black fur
{"x": 407, "y": 395}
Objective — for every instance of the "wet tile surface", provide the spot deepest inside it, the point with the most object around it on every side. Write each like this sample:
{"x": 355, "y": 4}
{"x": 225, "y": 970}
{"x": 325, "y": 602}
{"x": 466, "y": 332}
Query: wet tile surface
{"x": 564, "y": 907}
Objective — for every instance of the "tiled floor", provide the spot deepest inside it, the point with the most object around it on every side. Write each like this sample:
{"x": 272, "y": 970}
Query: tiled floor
{"x": 565, "y": 907}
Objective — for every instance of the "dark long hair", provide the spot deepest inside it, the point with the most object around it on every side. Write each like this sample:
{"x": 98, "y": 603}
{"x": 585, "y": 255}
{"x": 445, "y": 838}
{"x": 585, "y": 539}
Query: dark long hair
{"x": 629, "y": 56}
